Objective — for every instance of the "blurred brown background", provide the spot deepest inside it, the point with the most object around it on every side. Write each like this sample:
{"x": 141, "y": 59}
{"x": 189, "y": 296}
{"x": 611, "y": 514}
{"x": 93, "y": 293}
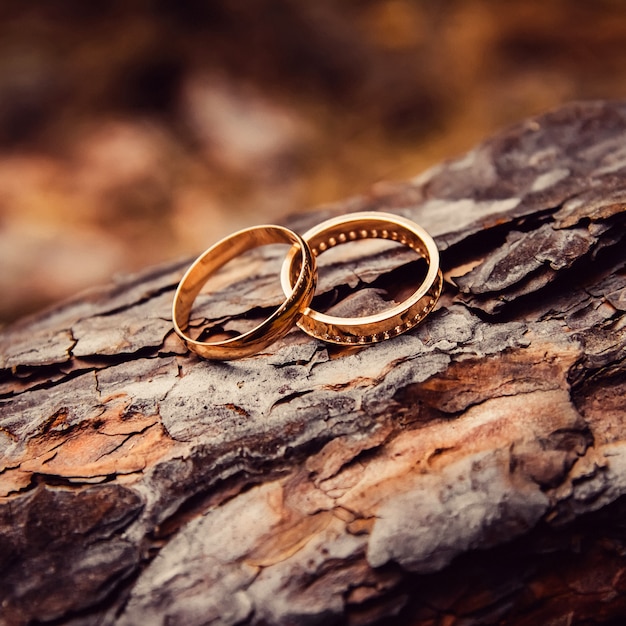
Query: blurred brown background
{"x": 136, "y": 131}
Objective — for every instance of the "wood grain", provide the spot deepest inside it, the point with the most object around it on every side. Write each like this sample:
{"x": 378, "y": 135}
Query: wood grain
{"x": 472, "y": 471}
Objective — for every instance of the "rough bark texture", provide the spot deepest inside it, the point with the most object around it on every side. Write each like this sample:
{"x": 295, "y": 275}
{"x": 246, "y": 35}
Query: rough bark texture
{"x": 472, "y": 471}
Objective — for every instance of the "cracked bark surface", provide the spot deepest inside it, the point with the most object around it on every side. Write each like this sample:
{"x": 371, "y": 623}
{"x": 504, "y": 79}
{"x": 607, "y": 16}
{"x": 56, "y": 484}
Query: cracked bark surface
{"x": 472, "y": 471}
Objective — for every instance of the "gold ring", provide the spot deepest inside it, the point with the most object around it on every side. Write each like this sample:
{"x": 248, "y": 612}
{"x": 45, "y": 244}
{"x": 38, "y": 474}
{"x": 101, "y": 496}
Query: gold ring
{"x": 392, "y": 322}
{"x": 272, "y": 328}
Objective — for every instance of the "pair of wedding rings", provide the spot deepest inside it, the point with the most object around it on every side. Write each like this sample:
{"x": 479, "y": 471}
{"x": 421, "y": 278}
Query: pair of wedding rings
{"x": 299, "y": 280}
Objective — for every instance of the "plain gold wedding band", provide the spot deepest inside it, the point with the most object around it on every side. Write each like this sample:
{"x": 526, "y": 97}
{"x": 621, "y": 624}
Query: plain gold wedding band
{"x": 395, "y": 320}
{"x": 298, "y": 296}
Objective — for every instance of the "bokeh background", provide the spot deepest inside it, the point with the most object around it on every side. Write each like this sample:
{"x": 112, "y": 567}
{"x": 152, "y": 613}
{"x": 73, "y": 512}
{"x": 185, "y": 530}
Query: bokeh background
{"x": 133, "y": 132}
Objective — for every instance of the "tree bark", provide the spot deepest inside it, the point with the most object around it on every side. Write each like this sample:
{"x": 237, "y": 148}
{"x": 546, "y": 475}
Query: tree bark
{"x": 472, "y": 471}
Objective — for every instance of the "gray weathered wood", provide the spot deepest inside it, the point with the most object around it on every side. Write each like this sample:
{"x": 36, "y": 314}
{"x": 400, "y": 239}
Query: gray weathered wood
{"x": 469, "y": 472}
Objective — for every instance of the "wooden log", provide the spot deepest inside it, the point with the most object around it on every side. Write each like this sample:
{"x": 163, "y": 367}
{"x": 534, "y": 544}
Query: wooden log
{"x": 471, "y": 471}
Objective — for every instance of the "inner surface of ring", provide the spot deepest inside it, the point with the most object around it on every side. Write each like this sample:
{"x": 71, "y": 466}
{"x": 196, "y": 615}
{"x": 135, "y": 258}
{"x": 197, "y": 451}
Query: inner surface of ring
{"x": 230, "y": 304}
{"x": 340, "y": 234}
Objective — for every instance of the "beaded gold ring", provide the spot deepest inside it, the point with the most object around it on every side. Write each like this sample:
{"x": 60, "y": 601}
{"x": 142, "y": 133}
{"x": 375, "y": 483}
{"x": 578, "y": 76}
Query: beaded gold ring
{"x": 395, "y": 320}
